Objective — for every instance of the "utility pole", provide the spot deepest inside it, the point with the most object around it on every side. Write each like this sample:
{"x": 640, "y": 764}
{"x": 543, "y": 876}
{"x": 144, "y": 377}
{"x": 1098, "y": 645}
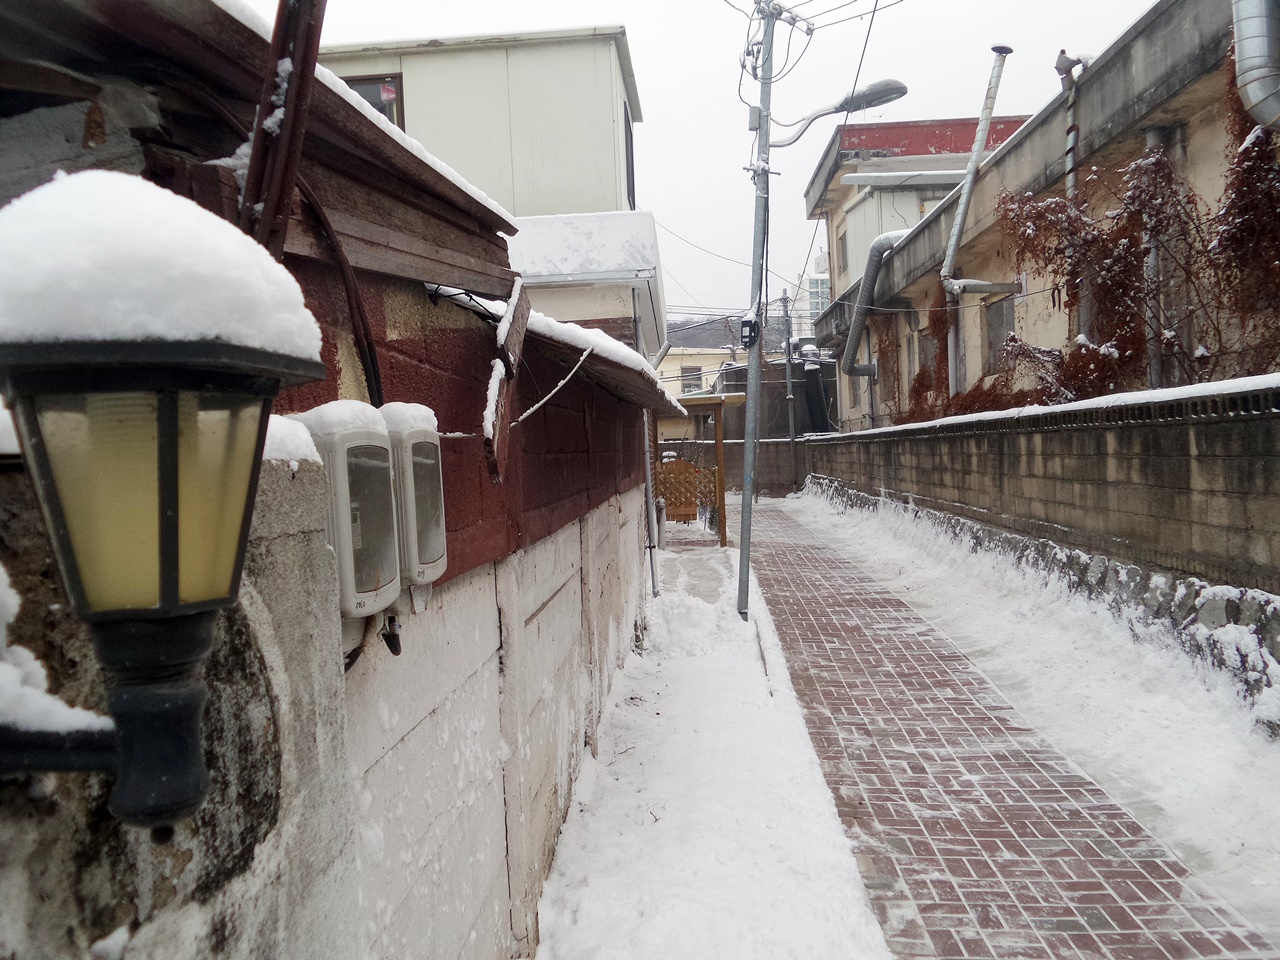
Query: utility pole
{"x": 791, "y": 397}
{"x": 751, "y": 328}
{"x": 875, "y": 94}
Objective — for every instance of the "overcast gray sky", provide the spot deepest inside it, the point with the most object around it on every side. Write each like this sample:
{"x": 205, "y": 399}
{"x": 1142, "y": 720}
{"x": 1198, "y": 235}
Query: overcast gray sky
{"x": 693, "y": 143}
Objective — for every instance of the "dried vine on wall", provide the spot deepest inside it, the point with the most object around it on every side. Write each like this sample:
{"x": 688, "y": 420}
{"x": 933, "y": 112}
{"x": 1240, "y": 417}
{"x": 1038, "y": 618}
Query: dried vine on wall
{"x": 1213, "y": 308}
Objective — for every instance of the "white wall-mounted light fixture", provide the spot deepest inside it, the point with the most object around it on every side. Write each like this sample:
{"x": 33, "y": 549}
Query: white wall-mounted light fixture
{"x": 415, "y": 460}
{"x": 352, "y": 440}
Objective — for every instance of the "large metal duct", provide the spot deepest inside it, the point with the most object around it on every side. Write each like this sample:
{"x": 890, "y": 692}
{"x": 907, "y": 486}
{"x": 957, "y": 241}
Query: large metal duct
{"x": 880, "y": 248}
{"x": 1257, "y": 32}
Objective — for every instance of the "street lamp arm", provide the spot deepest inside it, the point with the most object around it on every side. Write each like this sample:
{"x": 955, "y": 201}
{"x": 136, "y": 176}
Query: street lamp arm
{"x": 873, "y": 95}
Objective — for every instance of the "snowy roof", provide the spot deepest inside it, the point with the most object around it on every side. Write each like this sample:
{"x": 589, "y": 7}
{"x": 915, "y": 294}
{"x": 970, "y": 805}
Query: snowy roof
{"x": 340, "y": 87}
{"x": 101, "y": 255}
{"x": 564, "y": 248}
{"x": 614, "y": 365}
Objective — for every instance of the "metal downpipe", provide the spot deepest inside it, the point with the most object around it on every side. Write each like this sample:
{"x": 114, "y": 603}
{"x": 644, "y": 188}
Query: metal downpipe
{"x": 881, "y": 247}
{"x": 1256, "y": 24}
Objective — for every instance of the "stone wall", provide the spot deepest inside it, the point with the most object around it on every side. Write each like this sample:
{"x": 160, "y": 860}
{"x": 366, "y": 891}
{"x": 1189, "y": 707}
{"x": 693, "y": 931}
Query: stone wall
{"x": 407, "y": 808}
{"x": 1191, "y": 486}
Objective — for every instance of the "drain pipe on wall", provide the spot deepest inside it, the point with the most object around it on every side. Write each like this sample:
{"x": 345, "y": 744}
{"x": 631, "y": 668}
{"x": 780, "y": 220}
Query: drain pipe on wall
{"x": 1257, "y": 31}
{"x": 955, "y": 288}
{"x": 650, "y": 514}
{"x": 1151, "y": 274}
{"x": 881, "y": 247}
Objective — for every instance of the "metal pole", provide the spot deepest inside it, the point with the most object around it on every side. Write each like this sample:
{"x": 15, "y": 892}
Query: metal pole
{"x": 791, "y": 397}
{"x": 769, "y": 13}
{"x": 650, "y": 519}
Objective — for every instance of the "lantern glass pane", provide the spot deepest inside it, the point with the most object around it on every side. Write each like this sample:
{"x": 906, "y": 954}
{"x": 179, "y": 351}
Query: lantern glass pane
{"x": 429, "y": 508}
{"x": 217, "y": 443}
{"x": 373, "y": 530}
{"x": 103, "y": 453}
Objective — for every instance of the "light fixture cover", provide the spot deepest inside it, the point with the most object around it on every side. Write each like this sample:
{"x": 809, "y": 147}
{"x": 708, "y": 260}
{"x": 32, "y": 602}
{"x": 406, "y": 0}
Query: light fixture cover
{"x": 352, "y": 440}
{"x": 416, "y": 460}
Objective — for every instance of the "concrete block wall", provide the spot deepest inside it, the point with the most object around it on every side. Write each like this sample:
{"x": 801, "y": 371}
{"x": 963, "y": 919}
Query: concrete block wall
{"x": 1187, "y": 486}
{"x": 407, "y": 809}
{"x": 267, "y": 867}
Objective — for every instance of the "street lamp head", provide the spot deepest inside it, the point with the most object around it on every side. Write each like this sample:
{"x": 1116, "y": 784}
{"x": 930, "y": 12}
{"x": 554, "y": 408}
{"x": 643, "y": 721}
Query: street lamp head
{"x": 872, "y": 95}
{"x": 143, "y": 450}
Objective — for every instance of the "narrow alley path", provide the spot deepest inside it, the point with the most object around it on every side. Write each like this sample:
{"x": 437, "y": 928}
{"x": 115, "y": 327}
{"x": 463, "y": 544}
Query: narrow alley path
{"x": 975, "y": 837}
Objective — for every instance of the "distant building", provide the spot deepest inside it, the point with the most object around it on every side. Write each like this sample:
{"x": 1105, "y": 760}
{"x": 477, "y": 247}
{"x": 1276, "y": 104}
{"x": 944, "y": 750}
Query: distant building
{"x": 874, "y": 178}
{"x": 541, "y": 122}
{"x": 1154, "y": 133}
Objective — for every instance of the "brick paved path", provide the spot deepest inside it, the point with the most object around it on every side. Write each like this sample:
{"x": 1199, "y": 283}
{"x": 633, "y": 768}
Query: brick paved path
{"x": 976, "y": 838}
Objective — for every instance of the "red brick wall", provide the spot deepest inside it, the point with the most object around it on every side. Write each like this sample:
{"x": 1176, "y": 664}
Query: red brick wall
{"x": 572, "y": 455}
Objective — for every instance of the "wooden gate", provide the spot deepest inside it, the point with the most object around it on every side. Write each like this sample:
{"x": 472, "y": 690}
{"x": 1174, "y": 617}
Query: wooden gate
{"x": 685, "y": 487}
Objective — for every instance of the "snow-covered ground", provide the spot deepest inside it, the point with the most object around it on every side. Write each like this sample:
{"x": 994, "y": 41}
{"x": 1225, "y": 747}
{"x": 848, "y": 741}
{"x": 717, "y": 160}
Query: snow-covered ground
{"x": 704, "y": 829}
{"x": 1165, "y": 737}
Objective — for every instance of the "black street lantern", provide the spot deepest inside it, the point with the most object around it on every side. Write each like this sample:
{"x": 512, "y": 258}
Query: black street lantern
{"x": 145, "y": 458}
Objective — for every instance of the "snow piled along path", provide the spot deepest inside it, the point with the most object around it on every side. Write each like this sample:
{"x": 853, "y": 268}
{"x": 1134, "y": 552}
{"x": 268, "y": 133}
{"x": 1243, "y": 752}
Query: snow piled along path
{"x": 704, "y": 829}
{"x": 1164, "y": 736}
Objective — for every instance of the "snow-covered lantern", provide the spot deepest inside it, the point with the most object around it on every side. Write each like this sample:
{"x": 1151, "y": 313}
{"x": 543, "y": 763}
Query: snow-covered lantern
{"x": 142, "y": 340}
{"x": 352, "y": 440}
{"x": 415, "y": 460}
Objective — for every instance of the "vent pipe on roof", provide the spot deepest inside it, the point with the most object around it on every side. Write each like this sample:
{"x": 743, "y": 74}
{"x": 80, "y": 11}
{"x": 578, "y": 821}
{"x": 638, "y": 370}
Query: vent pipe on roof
{"x": 953, "y": 287}
{"x": 1257, "y": 32}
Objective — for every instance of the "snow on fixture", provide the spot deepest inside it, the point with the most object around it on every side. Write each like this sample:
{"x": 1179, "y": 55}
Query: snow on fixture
{"x": 352, "y": 440}
{"x": 141, "y": 381}
{"x": 415, "y": 463}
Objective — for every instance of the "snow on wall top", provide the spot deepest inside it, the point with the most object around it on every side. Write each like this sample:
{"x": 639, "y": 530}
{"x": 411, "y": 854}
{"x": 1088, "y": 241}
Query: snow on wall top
{"x": 338, "y": 416}
{"x": 289, "y": 440}
{"x": 101, "y": 255}
{"x": 1213, "y": 388}
{"x": 25, "y": 701}
{"x": 8, "y": 432}
{"x": 583, "y": 244}
{"x": 403, "y": 417}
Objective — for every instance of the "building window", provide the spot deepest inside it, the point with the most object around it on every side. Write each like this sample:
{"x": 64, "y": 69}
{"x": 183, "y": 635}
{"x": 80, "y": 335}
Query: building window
{"x": 926, "y": 350}
{"x": 690, "y": 379}
{"x": 384, "y": 94}
{"x": 997, "y": 321}
{"x": 842, "y": 253}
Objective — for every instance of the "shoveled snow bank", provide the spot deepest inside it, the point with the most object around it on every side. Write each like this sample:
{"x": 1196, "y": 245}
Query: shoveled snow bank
{"x": 287, "y": 439}
{"x": 704, "y": 830}
{"x": 25, "y": 702}
{"x": 100, "y": 255}
{"x": 1165, "y": 737}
